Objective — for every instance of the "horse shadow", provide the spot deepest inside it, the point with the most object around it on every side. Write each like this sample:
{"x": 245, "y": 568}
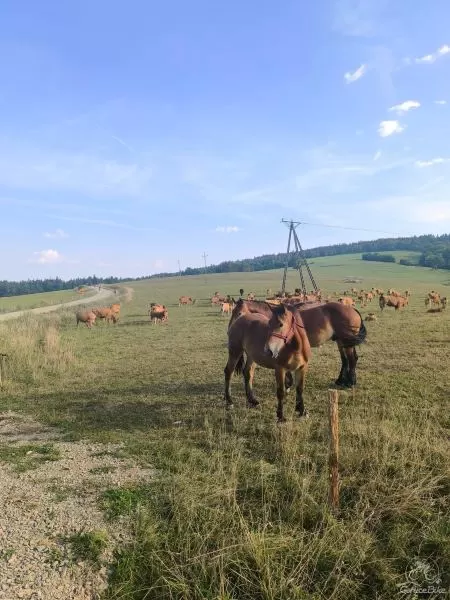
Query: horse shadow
{"x": 152, "y": 406}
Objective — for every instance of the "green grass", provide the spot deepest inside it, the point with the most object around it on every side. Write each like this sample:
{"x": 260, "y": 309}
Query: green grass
{"x": 27, "y": 456}
{"x": 87, "y": 546}
{"x": 29, "y": 301}
{"x": 237, "y": 508}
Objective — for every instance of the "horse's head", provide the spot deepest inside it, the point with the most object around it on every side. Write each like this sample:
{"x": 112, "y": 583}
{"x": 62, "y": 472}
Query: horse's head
{"x": 281, "y": 329}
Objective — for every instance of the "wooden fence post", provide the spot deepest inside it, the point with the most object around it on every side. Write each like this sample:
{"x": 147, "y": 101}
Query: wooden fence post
{"x": 2, "y": 368}
{"x": 333, "y": 457}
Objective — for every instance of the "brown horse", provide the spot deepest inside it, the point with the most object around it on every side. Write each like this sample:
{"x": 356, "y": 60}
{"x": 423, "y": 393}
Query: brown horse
{"x": 277, "y": 342}
{"x": 323, "y": 322}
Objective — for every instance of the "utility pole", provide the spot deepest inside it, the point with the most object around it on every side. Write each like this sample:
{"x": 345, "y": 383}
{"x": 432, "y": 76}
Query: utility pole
{"x": 179, "y": 268}
{"x": 205, "y": 256}
{"x": 299, "y": 256}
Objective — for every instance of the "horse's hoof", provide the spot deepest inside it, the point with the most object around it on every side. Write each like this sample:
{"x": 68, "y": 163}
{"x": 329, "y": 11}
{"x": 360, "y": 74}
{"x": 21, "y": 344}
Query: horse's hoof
{"x": 253, "y": 404}
{"x": 304, "y": 415}
{"x": 288, "y": 390}
{"x": 281, "y": 420}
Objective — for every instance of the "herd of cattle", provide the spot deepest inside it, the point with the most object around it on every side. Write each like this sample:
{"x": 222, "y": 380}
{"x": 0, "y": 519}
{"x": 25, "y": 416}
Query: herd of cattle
{"x": 159, "y": 313}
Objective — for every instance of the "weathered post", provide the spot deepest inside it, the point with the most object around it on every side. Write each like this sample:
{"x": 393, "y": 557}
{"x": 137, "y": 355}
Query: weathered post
{"x": 333, "y": 458}
{"x": 2, "y": 368}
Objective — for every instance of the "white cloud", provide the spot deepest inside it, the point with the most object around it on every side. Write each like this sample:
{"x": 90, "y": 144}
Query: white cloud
{"x": 429, "y": 163}
{"x": 227, "y": 229}
{"x": 58, "y": 234}
{"x": 440, "y": 102}
{"x": 404, "y": 107}
{"x": 351, "y": 77}
{"x": 377, "y": 155}
{"x": 431, "y": 58}
{"x": 45, "y": 257}
{"x": 388, "y": 128}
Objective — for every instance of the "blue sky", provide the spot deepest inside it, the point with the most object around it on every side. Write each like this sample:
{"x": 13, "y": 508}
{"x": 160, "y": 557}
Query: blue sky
{"x": 136, "y": 134}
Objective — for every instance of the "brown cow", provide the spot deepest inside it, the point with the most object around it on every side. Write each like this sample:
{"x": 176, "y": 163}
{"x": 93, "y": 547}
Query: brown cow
{"x": 185, "y": 300}
{"x": 444, "y": 302}
{"x": 227, "y": 308}
{"x": 251, "y": 296}
{"x": 158, "y": 312}
{"x": 395, "y": 301}
{"x": 115, "y": 308}
{"x": 105, "y": 313}
{"x": 86, "y": 316}
{"x": 346, "y": 300}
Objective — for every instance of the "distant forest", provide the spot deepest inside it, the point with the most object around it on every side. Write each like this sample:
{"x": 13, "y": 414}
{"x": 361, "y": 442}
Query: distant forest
{"x": 434, "y": 252}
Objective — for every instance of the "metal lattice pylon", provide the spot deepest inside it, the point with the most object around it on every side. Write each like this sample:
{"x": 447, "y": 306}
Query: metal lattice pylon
{"x": 299, "y": 257}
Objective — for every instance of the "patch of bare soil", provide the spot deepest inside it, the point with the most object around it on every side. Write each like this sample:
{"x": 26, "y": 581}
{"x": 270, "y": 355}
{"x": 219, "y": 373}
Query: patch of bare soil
{"x": 39, "y": 508}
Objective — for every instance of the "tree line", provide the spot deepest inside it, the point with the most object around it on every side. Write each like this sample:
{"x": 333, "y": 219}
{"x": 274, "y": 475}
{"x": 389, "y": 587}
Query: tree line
{"x": 434, "y": 252}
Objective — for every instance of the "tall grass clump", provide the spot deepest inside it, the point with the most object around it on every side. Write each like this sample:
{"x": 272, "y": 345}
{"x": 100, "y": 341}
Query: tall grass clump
{"x": 35, "y": 348}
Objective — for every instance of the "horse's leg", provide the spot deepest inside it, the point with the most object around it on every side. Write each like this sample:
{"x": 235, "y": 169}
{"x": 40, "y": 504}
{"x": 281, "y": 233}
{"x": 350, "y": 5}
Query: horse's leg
{"x": 280, "y": 376}
{"x": 352, "y": 359}
{"x": 233, "y": 359}
{"x": 343, "y": 375}
{"x": 300, "y": 375}
{"x": 249, "y": 371}
{"x": 288, "y": 381}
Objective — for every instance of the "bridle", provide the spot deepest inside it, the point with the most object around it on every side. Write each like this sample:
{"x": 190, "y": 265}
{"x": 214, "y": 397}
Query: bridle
{"x": 290, "y": 333}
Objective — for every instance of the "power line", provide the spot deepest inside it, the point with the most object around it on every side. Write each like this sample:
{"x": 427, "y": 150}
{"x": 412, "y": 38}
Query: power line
{"x": 354, "y": 228}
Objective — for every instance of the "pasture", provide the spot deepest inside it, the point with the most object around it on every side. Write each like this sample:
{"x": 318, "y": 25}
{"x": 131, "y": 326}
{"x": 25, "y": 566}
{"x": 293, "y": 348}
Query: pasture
{"x": 235, "y": 508}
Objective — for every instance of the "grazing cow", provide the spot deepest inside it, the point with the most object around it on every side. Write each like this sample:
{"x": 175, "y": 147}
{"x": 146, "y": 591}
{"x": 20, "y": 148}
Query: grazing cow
{"x": 158, "y": 312}
{"x": 227, "y": 308}
{"x": 251, "y": 296}
{"x": 86, "y": 316}
{"x": 444, "y": 302}
{"x": 216, "y": 299}
{"x": 434, "y": 298}
{"x": 185, "y": 300}
{"x": 395, "y": 301}
{"x": 371, "y": 317}
{"x": 105, "y": 313}
{"x": 115, "y": 309}
{"x": 241, "y": 292}
{"x": 346, "y": 301}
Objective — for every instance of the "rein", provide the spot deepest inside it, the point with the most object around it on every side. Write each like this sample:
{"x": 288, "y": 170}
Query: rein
{"x": 290, "y": 333}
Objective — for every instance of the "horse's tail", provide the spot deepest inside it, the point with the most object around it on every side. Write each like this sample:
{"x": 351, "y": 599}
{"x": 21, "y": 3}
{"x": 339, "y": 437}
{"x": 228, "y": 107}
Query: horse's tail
{"x": 239, "y": 365}
{"x": 354, "y": 340}
{"x": 362, "y": 333}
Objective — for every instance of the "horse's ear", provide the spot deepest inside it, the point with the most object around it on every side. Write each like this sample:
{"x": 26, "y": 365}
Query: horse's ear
{"x": 279, "y": 310}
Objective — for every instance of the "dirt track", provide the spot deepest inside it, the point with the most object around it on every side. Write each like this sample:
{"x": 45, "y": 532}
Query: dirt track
{"x": 100, "y": 295}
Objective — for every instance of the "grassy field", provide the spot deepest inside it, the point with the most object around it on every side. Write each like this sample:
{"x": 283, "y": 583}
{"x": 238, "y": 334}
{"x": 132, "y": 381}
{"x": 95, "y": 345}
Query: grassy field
{"x": 28, "y": 301}
{"x": 238, "y": 507}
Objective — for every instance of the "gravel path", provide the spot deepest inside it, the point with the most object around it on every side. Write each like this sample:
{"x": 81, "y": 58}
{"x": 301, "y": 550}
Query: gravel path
{"x": 40, "y": 507}
{"x": 100, "y": 295}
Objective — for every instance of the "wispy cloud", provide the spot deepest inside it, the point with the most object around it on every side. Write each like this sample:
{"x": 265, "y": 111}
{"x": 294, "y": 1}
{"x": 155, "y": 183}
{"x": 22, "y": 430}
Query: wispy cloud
{"x": 377, "y": 155}
{"x": 388, "y": 128}
{"x": 58, "y": 234}
{"x": 227, "y": 229}
{"x": 351, "y": 77}
{"x": 31, "y": 169}
{"x": 45, "y": 257}
{"x": 122, "y": 143}
{"x": 404, "y": 107}
{"x": 429, "y": 163}
{"x": 431, "y": 58}
{"x": 103, "y": 222}
{"x": 440, "y": 102}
